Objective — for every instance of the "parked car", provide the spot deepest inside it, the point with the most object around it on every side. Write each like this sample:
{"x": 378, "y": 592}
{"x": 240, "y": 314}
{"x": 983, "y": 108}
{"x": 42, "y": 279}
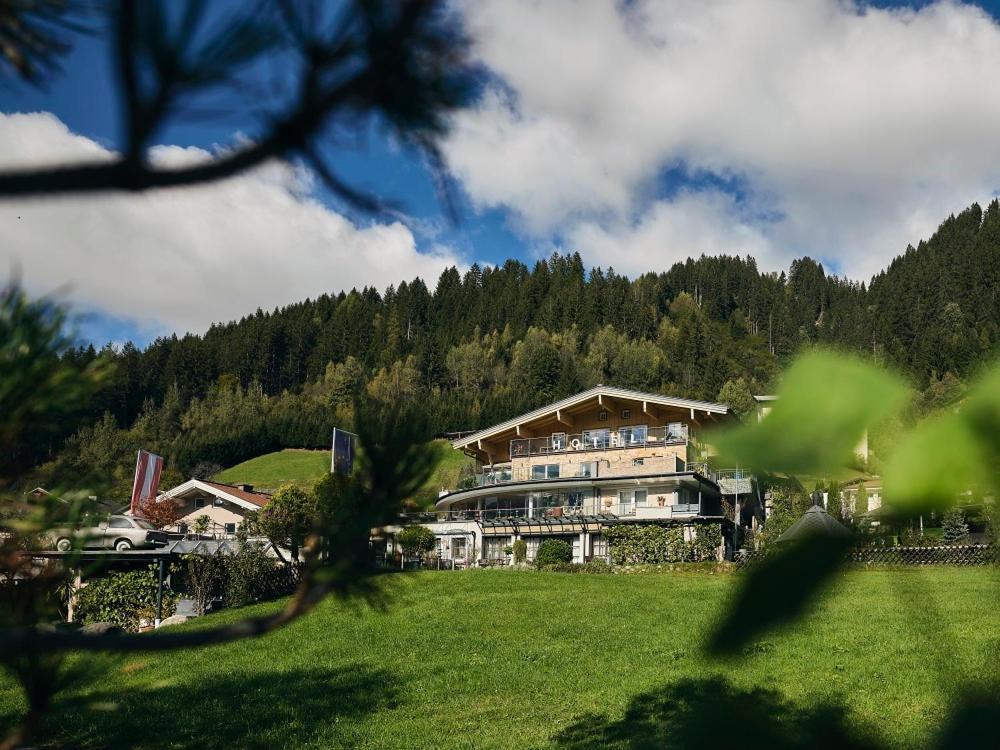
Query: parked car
{"x": 116, "y": 532}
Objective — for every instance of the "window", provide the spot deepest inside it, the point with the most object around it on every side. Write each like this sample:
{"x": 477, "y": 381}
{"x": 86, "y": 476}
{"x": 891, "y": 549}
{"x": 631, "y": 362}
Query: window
{"x": 199, "y": 502}
{"x": 117, "y": 522}
{"x": 629, "y": 499}
{"x": 458, "y": 547}
{"x": 600, "y": 547}
{"x": 626, "y": 413}
{"x": 230, "y": 528}
{"x": 638, "y": 461}
{"x": 493, "y": 547}
{"x": 532, "y": 543}
{"x": 545, "y": 471}
{"x": 634, "y": 435}
{"x": 559, "y": 441}
{"x": 596, "y": 438}
{"x": 602, "y": 417}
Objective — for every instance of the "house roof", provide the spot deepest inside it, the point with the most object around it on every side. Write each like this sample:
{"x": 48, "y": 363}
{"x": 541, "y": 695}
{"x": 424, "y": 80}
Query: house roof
{"x": 237, "y": 495}
{"x": 814, "y": 522}
{"x": 597, "y": 391}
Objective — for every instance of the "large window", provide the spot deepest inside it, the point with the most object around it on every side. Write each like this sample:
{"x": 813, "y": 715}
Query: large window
{"x": 629, "y": 499}
{"x": 596, "y": 438}
{"x": 545, "y": 471}
{"x": 493, "y": 546}
{"x": 634, "y": 435}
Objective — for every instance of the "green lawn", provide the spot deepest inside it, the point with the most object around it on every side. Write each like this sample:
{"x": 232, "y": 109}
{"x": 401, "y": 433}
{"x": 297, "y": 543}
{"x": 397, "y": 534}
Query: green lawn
{"x": 547, "y": 660}
{"x": 270, "y": 471}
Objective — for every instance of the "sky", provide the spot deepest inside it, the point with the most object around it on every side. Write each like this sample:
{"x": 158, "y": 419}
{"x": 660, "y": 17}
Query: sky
{"x": 637, "y": 134}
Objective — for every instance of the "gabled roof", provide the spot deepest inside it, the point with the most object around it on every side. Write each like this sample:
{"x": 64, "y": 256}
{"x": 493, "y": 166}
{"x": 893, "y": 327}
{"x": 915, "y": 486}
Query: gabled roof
{"x": 814, "y": 522}
{"x": 600, "y": 390}
{"x": 236, "y": 495}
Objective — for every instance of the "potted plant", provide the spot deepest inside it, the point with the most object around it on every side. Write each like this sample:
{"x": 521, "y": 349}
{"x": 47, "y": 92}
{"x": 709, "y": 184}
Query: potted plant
{"x": 661, "y": 500}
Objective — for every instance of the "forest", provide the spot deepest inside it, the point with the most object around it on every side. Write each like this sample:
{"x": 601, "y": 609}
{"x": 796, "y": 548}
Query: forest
{"x": 485, "y": 345}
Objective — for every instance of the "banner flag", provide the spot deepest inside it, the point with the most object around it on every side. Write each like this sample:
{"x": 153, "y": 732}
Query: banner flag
{"x": 147, "y": 479}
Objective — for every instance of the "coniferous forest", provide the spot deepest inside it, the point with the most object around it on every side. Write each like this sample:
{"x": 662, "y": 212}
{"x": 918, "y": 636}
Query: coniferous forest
{"x": 471, "y": 349}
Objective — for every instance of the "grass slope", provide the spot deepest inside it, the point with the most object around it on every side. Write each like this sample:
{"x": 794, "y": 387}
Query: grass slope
{"x": 449, "y": 469}
{"x": 304, "y": 467}
{"x": 503, "y": 659}
{"x": 270, "y": 471}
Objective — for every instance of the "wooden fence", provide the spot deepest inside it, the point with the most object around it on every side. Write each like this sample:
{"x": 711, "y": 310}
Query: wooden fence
{"x": 871, "y": 557}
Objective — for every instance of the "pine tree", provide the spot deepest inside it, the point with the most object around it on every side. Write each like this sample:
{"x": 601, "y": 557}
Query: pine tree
{"x": 954, "y": 529}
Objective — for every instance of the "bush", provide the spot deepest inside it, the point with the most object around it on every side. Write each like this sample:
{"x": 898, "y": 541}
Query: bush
{"x": 127, "y": 599}
{"x": 595, "y": 566}
{"x": 652, "y": 545}
{"x": 415, "y": 539}
{"x": 553, "y": 552}
{"x": 248, "y": 575}
{"x": 520, "y": 550}
{"x": 204, "y": 577}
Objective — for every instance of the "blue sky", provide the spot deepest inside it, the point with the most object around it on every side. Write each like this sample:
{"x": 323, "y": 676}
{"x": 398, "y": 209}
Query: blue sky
{"x": 741, "y": 138}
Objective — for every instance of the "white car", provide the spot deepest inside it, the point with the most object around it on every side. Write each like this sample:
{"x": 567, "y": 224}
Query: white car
{"x": 116, "y": 532}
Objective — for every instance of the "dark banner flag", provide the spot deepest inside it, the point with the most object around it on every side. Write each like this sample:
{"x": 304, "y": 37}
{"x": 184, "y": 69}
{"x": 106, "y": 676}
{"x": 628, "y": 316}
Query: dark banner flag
{"x": 343, "y": 451}
{"x": 147, "y": 479}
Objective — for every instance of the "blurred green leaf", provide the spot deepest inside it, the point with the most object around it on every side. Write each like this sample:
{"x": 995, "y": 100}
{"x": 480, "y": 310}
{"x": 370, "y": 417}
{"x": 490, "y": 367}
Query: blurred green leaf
{"x": 777, "y": 590}
{"x": 932, "y": 464}
{"x": 826, "y": 402}
{"x": 982, "y": 410}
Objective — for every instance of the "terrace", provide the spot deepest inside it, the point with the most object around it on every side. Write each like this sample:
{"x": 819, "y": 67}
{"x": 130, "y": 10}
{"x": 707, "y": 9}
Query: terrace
{"x": 558, "y": 513}
{"x": 637, "y": 436}
{"x": 597, "y": 469}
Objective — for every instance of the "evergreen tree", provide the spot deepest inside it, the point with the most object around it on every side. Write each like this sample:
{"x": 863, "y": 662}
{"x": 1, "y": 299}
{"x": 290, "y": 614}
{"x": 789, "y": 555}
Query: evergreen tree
{"x": 954, "y": 529}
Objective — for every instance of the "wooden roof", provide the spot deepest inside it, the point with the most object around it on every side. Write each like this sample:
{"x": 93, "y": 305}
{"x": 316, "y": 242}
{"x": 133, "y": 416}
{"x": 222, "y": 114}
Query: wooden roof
{"x": 599, "y": 393}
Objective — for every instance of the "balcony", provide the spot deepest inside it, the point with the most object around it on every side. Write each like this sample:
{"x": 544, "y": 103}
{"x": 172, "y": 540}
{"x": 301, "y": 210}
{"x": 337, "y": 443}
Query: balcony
{"x": 603, "y": 439}
{"x": 599, "y": 469}
{"x": 587, "y": 509}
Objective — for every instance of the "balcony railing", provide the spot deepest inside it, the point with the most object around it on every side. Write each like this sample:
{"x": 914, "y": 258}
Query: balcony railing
{"x": 580, "y": 470}
{"x": 557, "y": 512}
{"x": 591, "y": 440}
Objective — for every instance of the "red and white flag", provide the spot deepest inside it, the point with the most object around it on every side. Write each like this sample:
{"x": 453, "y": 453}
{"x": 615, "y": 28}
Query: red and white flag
{"x": 147, "y": 479}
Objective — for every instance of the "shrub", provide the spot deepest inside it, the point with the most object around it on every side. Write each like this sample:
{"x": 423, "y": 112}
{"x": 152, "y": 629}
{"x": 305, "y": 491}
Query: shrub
{"x": 415, "y": 539}
{"x": 126, "y": 599}
{"x": 160, "y": 513}
{"x": 248, "y": 575}
{"x": 204, "y": 576}
{"x": 553, "y": 552}
{"x": 520, "y": 550}
{"x": 652, "y": 545}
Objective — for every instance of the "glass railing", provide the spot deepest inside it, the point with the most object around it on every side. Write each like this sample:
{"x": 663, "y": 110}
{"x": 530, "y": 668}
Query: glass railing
{"x": 591, "y": 440}
{"x": 589, "y": 508}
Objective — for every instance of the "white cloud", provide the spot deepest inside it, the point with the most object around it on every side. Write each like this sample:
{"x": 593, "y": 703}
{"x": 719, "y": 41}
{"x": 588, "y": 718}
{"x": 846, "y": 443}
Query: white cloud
{"x": 184, "y": 258}
{"x": 670, "y": 232}
{"x": 859, "y": 128}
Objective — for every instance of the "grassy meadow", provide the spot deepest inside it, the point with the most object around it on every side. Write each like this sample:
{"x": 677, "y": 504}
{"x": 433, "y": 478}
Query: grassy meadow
{"x": 506, "y": 659}
{"x": 303, "y": 467}
{"x": 290, "y": 466}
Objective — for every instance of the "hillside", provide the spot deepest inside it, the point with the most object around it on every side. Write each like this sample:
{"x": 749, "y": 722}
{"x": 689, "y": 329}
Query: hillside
{"x": 303, "y": 467}
{"x": 483, "y": 346}
{"x": 268, "y": 472}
